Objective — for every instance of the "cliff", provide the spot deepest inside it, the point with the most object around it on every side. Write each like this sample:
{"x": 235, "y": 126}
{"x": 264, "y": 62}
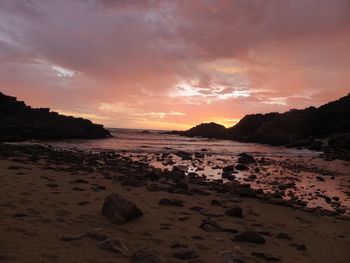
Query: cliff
{"x": 20, "y": 122}
{"x": 323, "y": 128}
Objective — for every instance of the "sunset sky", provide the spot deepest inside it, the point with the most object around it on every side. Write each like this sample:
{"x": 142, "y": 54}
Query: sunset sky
{"x": 174, "y": 64}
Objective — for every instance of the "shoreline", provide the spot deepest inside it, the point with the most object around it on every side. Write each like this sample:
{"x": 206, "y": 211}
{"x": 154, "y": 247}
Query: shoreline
{"x": 62, "y": 192}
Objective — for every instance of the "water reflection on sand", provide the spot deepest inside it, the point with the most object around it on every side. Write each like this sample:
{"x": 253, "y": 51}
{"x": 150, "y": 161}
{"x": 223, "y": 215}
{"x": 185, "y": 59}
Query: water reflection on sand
{"x": 292, "y": 173}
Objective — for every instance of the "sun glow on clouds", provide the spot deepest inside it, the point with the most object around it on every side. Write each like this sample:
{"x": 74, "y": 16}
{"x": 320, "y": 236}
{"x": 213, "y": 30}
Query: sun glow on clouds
{"x": 160, "y": 115}
{"x": 134, "y": 112}
{"x": 228, "y": 69}
{"x": 277, "y": 101}
{"x": 215, "y": 92}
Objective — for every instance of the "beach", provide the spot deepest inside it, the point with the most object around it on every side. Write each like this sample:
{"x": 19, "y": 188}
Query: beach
{"x": 51, "y": 203}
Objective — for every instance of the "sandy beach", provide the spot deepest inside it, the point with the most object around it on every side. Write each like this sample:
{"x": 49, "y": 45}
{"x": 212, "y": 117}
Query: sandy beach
{"x": 51, "y": 212}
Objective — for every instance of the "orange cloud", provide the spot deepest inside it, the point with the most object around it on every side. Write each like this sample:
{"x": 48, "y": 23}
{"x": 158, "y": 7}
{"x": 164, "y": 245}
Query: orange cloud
{"x": 173, "y": 64}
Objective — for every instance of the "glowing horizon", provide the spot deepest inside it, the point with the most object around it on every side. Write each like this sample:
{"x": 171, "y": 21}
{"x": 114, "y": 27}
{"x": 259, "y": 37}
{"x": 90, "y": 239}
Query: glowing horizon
{"x": 171, "y": 65}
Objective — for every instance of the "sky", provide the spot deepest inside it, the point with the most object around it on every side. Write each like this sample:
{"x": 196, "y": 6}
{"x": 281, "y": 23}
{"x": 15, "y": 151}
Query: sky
{"x": 174, "y": 64}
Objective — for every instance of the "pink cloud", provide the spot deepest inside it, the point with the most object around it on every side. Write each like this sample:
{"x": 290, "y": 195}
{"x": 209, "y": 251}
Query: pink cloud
{"x": 234, "y": 57}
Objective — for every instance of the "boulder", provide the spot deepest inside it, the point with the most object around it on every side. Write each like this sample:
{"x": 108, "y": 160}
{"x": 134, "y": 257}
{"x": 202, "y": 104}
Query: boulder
{"x": 245, "y": 158}
{"x": 119, "y": 210}
{"x": 241, "y": 167}
{"x": 235, "y": 211}
{"x": 229, "y": 168}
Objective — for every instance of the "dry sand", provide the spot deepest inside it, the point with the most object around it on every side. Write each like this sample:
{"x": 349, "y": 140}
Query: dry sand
{"x": 38, "y": 207}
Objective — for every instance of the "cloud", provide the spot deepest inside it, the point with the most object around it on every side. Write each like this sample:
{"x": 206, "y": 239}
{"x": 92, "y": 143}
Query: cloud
{"x": 205, "y": 59}
{"x": 63, "y": 72}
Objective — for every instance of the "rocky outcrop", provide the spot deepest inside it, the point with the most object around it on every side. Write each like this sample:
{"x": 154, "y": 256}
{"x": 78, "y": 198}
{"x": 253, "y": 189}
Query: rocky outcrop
{"x": 208, "y": 130}
{"x": 326, "y": 128}
{"x": 20, "y": 122}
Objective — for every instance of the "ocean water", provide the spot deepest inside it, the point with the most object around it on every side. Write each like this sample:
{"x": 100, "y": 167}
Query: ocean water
{"x": 152, "y": 141}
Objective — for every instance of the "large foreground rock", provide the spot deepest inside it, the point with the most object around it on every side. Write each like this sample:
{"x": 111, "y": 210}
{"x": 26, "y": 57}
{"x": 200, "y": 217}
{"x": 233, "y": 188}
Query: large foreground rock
{"x": 118, "y": 210}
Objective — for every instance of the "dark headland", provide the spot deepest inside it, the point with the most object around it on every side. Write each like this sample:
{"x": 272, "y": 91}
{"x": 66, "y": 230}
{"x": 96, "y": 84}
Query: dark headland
{"x": 20, "y": 122}
{"x": 326, "y": 128}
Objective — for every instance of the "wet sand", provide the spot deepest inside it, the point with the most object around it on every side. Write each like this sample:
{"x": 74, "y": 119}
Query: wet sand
{"x": 42, "y": 203}
{"x": 310, "y": 180}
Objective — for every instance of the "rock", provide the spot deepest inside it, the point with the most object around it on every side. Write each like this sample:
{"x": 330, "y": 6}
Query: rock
{"x": 210, "y": 226}
{"x": 184, "y": 155}
{"x": 196, "y": 237}
{"x": 245, "y": 158}
{"x": 178, "y": 244}
{"x": 266, "y": 257}
{"x": 252, "y": 177}
{"x": 185, "y": 253}
{"x": 235, "y": 211}
{"x": 118, "y": 210}
{"x": 81, "y": 181}
{"x": 216, "y": 202}
{"x": 229, "y": 168}
{"x": 320, "y": 178}
{"x": 250, "y": 237}
{"x": 241, "y": 167}
{"x": 228, "y": 176}
{"x": 283, "y": 236}
{"x": 113, "y": 245}
{"x": 78, "y": 189}
{"x": 196, "y": 208}
{"x": 300, "y": 247}
{"x": 180, "y": 168}
{"x": 143, "y": 256}
{"x": 171, "y": 202}
{"x": 96, "y": 235}
{"x": 19, "y": 215}
{"x": 199, "y": 155}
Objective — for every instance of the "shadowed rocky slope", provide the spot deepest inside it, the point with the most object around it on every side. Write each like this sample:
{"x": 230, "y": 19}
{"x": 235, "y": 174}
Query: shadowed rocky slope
{"x": 209, "y": 130}
{"x": 20, "y": 122}
{"x": 318, "y": 128}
